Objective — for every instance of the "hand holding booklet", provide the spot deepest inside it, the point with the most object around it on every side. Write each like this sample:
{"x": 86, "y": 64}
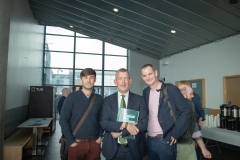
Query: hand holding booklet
{"x": 128, "y": 115}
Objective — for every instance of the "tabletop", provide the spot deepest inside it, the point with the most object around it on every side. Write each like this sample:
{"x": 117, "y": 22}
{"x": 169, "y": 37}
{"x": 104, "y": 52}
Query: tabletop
{"x": 35, "y": 122}
{"x": 222, "y": 135}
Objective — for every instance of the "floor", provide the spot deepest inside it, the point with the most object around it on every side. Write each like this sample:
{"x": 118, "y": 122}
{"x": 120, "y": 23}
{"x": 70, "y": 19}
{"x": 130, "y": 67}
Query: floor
{"x": 53, "y": 149}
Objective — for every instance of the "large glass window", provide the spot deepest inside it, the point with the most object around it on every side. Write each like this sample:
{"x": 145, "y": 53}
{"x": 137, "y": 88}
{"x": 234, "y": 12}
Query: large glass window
{"x": 86, "y": 45}
{"x": 88, "y": 61}
{"x": 59, "y": 59}
{"x": 58, "y": 30}
{"x": 60, "y": 43}
{"x": 64, "y": 60}
{"x": 115, "y": 62}
{"x": 115, "y": 50}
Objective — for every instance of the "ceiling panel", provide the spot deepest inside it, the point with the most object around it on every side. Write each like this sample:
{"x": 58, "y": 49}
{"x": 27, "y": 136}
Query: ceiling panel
{"x": 144, "y": 26}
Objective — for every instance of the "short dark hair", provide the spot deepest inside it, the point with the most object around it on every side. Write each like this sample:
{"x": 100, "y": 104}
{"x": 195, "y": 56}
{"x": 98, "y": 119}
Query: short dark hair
{"x": 147, "y": 65}
{"x": 87, "y": 72}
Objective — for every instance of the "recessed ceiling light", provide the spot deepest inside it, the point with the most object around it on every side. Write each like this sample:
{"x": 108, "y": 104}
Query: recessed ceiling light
{"x": 115, "y": 9}
{"x": 173, "y": 31}
{"x": 71, "y": 26}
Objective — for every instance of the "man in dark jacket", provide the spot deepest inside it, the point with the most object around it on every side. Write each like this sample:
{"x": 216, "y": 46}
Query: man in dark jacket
{"x": 163, "y": 132}
{"x": 65, "y": 93}
{"x": 115, "y": 144}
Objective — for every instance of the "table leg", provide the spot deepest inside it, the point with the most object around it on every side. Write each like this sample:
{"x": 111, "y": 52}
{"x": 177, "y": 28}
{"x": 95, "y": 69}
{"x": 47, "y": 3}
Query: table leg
{"x": 39, "y": 136}
{"x": 34, "y": 144}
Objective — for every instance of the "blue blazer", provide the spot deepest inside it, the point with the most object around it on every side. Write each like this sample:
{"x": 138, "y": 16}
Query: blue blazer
{"x": 180, "y": 108}
{"x": 137, "y": 146}
{"x": 198, "y": 105}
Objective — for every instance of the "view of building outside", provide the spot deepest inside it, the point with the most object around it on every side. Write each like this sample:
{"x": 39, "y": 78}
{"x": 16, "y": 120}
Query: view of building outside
{"x": 67, "y": 53}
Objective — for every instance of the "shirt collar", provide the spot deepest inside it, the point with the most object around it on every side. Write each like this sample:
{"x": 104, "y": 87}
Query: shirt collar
{"x": 120, "y": 94}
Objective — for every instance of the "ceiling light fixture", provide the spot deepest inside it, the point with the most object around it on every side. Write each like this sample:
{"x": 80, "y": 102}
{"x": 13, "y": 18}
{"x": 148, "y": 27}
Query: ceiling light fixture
{"x": 115, "y": 9}
{"x": 71, "y": 26}
{"x": 173, "y": 31}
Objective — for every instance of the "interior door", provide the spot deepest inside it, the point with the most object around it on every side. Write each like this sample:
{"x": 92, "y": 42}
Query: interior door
{"x": 231, "y": 91}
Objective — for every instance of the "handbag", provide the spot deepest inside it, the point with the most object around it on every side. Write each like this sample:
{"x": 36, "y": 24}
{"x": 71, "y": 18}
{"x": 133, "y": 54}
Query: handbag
{"x": 64, "y": 144}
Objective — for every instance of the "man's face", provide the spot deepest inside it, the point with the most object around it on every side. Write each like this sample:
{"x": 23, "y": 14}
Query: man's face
{"x": 149, "y": 75}
{"x": 123, "y": 82}
{"x": 88, "y": 82}
{"x": 189, "y": 94}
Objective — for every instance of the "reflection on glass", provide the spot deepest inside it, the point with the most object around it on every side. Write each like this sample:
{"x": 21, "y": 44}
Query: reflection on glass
{"x": 109, "y": 90}
{"x": 86, "y": 45}
{"x": 98, "y": 82}
{"x": 58, "y": 76}
{"x": 88, "y": 61}
{"x": 109, "y": 77}
{"x": 59, "y": 90}
{"x": 115, "y": 50}
{"x": 58, "y": 59}
{"x": 60, "y": 43}
{"x": 58, "y": 30}
{"x": 81, "y": 35}
{"x": 115, "y": 63}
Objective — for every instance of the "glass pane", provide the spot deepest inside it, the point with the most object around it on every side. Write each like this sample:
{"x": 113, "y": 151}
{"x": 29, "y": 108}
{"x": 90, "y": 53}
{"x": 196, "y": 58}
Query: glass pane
{"x": 59, "y": 90}
{"x": 115, "y": 62}
{"x": 98, "y": 82}
{"x": 109, "y": 90}
{"x": 58, "y": 30}
{"x": 60, "y": 43}
{"x": 58, "y": 76}
{"x": 87, "y": 45}
{"x": 98, "y": 90}
{"x": 58, "y": 59}
{"x": 88, "y": 61}
{"x": 80, "y": 35}
{"x": 109, "y": 78}
{"x": 115, "y": 50}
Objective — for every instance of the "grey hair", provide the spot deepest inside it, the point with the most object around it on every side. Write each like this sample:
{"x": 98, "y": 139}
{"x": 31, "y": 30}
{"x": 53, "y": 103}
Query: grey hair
{"x": 122, "y": 70}
{"x": 183, "y": 89}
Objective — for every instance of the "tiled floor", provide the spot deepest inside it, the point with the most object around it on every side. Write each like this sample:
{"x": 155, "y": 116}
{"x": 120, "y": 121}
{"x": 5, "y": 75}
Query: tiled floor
{"x": 53, "y": 149}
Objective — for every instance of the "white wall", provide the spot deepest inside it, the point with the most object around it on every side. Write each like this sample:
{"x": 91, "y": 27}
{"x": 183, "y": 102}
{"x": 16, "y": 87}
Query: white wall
{"x": 136, "y": 61}
{"x": 211, "y": 61}
{"x": 25, "y": 54}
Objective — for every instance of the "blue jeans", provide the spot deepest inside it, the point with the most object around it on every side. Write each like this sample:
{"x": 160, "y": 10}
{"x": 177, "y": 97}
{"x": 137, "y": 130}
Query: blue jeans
{"x": 159, "y": 149}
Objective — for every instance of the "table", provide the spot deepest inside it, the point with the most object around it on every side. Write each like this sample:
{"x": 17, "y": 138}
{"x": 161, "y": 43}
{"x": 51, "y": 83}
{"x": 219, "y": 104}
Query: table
{"x": 222, "y": 135}
{"x": 37, "y": 124}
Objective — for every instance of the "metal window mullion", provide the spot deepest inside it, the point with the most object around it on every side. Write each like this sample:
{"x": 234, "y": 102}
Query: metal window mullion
{"x": 74, "y": 57}
{"x": 103, "y": 68}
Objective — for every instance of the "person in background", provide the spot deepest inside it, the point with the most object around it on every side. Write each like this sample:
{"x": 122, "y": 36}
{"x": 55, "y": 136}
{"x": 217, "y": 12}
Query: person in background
{"x": 115, "y": 145}
{"x": 200, "y": 117}
{"x": 163, "y": 132}
{"x": 86, "y": 143}
{"x": 186, "y": 148}
{"x": 65, "y": 93}
{"x": 197, "y": 103}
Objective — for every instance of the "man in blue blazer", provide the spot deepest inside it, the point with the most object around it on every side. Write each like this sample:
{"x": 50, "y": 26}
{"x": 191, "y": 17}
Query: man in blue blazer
{"x": 113, "y": 147}
{"x": 163, "y": 131}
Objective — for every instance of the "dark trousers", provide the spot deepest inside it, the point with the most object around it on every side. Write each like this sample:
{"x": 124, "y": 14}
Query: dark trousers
{"x": 85, "y": 150}
{"x": 122, "y": 154}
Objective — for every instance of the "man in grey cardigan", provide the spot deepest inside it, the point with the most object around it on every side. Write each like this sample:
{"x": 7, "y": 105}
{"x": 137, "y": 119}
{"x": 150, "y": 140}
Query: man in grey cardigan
{"x": 186, "y": 149}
